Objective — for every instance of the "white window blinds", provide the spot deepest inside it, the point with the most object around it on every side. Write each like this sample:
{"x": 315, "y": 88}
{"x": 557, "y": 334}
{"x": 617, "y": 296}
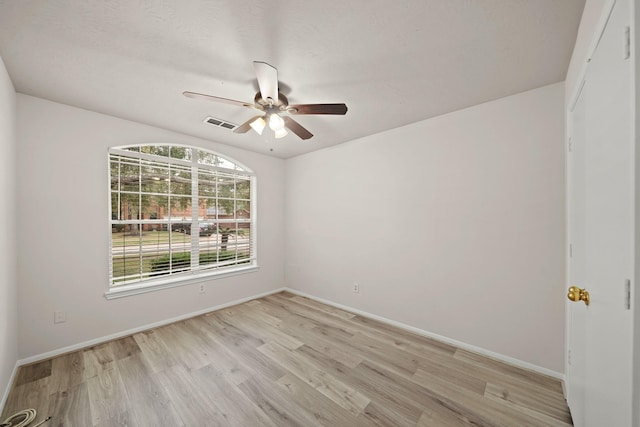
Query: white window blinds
{"x": 177, "y": 212}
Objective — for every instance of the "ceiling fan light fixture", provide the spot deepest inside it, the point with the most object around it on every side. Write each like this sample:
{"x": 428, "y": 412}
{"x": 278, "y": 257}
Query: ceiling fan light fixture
{"x": 280, "y": 133}
{"x": 276, "y": 122}
{"x": 270, "y": 102}
{"x": 258, "y": 125}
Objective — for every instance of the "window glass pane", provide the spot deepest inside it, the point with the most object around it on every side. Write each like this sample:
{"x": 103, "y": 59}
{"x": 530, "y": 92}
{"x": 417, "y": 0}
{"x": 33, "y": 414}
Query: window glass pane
{"x": 155, "y": 247}
{"x": 224, "y": 163}
{"x": 207, "y": 228}
{"x": 129, "y": 206}
{"x": 154, "y": 206}
{"x": 209, "y": 250}
{"x": 180, "y": 180}
{"x": 157, "y": 150}
{"x": 154, "y": 178}
{"x": 206, "y": 241}
{"x": 208, "y": 207}
{"x": 243, "y": 188}
{"x": 225, "y": 185}
{"x": 180, "y": 238}
{"x": 243, "y": 246}
{"x": 115, "y": 208}
{"x": 227, "y": 235}
{"x": 206, "y": 183}
{"x": 182, "y": 153}
{"x": 234, "y": 242}
{"x": 243, "y": 209}
{"x": 180, "y": 259}
{"x": 180, "y": 208}
{"x": 114, "y": 173}
{"x": 166, "y": 250}
{"x": 246, "y": 231}
{"x": 125, "y": 252}
{"x": 207, "y": 158}
{"x": 130, "y": 175}
{"x": 225, "y": 208}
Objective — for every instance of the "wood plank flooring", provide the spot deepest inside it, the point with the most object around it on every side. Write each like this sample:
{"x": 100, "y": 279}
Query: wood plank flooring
{"x": 283, "y": 360}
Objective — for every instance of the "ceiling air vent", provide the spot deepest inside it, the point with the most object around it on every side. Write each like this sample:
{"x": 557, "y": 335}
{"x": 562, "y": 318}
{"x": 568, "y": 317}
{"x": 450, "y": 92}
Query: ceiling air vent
{"x": 220, "y": 123}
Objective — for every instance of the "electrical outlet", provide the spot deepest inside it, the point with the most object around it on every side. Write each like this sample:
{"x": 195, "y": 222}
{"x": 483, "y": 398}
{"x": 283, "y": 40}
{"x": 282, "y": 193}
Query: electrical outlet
{"x": 202, "y": 289}
{"x": 356, "y": 288}
{"x": 59, "y": 316}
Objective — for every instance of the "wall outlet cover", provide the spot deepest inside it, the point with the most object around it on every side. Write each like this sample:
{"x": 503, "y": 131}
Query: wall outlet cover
{"x": 59, "y": 316}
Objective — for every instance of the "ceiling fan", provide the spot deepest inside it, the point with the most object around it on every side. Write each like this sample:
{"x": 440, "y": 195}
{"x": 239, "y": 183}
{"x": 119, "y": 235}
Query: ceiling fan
{"x": 273, "y": 105}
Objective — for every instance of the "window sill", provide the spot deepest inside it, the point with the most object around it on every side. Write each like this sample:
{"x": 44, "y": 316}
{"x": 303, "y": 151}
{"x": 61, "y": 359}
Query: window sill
{"x": 156, "y": 285}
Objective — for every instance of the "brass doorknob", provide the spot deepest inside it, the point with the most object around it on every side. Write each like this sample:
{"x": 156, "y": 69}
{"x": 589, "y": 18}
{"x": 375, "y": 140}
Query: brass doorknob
{"x": 576, "y": 294}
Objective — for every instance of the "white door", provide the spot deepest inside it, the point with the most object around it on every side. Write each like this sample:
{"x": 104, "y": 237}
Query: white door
{"x": 601, "y": 234}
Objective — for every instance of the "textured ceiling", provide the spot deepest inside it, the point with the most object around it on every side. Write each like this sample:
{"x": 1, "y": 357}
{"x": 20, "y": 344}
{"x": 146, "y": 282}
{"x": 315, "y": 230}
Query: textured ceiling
{"x": 391, "y": 62}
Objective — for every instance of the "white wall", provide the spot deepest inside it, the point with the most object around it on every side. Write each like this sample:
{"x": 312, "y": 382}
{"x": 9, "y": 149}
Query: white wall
{"x": 454, "y": 225}
{"x": 8, "y": 281}
{"x": 63, "y": 237}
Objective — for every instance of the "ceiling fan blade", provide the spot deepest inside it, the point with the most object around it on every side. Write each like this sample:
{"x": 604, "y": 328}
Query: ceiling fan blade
{"x": 267, "y": 76}
{"x": 244, "y": 128}
{"x": 296, "y": 128}
{"x": 317, "y": 109}
{"x": 196, "y": 95}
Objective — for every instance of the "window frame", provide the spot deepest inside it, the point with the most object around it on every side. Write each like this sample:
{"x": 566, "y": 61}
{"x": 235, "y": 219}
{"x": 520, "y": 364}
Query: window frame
{"x": 218, "y": 269}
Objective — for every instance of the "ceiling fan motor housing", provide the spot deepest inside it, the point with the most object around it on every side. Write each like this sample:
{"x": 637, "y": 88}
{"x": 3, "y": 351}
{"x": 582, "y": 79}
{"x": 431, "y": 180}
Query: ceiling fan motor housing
{"x": 281, "y": 104}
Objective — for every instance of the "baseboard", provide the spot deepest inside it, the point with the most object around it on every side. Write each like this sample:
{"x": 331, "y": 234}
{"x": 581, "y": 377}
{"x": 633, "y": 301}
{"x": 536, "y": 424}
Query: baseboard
{"x": 12, "y": 379}
{"x": 456, "y": 343}
{"x": 103, "y": 339}
{"x": 479, "y": 350}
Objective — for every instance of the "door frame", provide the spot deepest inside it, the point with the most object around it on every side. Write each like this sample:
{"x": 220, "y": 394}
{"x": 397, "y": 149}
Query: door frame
{"x": 572, "y": 100}
{"x": 635, "y": 295}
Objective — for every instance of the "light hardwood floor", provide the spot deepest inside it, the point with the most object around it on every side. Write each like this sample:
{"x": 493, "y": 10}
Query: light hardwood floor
{"x": 283, "y": 360}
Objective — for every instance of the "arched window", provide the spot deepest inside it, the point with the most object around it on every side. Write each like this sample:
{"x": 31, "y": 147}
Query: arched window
{"x": 178, "y": 214}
